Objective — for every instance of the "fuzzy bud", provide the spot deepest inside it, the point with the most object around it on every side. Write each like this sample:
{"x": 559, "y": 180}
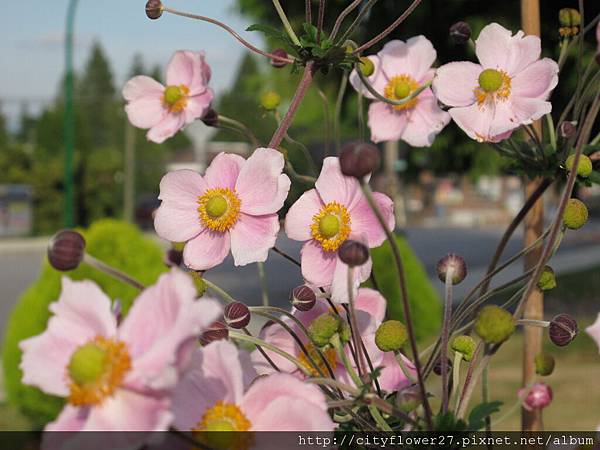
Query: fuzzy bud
{"x": 237, "y": 315}
{"x": 353, "y": 253}
{"x": 270, "y": 100}
{"x": 277, "y": 62}
{"x": 575, "y": 215}
{"x": 538, "y": 397}
{"x": 547, "y": 279}
{"x": 323, "y": 328}
{"x": 366, "y": 66}
{"x": 154, "y": 9}
{"x": 562, "y": 330}
{"x": 358, "y": 159}
{"x": 217, "y": 331}
{"x": 303, "y": 298}
{"x": 458, "y": 265}
{"x": 569, "y": 17}
{"x": 460, "y": 33}
{"x": 210, "y": 118}
{"x": 544, "y": 364}
{"x": 465, "y": 345}
{"x": 494, "y": 325}
{"x": 567, "y": 129}
{"x": 584, "y": 166}
{"x": 66, "y": 250}
{"x": 391, "y": 336}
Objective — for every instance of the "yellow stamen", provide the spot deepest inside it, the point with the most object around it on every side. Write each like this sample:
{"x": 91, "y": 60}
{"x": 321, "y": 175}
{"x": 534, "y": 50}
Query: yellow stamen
{"x": 228, "y": 419}
{"x": 400, "y": 87}
{"x": 500, "y": 94}
{"x": 219, "y": 209}
{"x": 175, "y": 98}
{"x": 329, "y": 354}
{"x": 331, "y": 226}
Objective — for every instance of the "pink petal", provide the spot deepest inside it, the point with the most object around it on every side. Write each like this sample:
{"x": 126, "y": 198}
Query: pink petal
{"x": 421, "y": 56}
{"x": 146, "y": 112}
{"x": 292, "y": 414}
{"x": 252, "y": 237}
{"x": 385, "y": 123}
{"x": 317, "y": 266}
{"x": 333, "y": 186}
{"x": 206, "y": 250}
{"x": 182, "y": 187}
{"x": 392, "y": 376}
{"x": 71, "y": 418}
{"x": 493, "y": 47}
{"x": 365, "y": 222}
{"x": 594, "y": 331}
{"x": 166, "y": 128}
{"x": 339, "y": 283}
{"x": 224, "y": 170}
{"x": 372, "y": 302}
{"x": 176, "y": 316}
{"x": 261, "y": 186}
{"x": 197, "y": 105}
{"x": 142, "y": 86}
{"x": 454, "y": 83}
{"x": 522, "y": 110}
{"x": 524, "y": 50}
{"x": 426, "y": 120}
{"x": 300, "y": 216}
{"x": 536, "y": 81}
{"x": 474, "y": 120}
{"x": 181, "y": 68}
{"x": 378, "y": 79}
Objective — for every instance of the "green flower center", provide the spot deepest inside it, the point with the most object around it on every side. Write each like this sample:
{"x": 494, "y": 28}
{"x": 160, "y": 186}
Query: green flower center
{"x": 490, "y": 80}
{"x": 220, "y": 425}
{"x": 216, "y": 206}
{"x": 87, "y": 364}
{"x": 402, "y": 90}
{"x": 173, "y": 94}
{"x": 329, "y": 226}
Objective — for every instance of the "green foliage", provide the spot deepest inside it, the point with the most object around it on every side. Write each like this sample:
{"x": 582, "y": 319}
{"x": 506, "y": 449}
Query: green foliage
{"x": 425, "y": 304}
{"x": 118, "y": 244}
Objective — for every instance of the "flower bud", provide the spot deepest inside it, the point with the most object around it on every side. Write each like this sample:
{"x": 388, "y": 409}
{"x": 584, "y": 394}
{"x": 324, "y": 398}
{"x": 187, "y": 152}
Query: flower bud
{"x": 353, "y": 253}
{"x": 303, "y": 298}
{"x": 409, "y": 399}
{"x": 567, "y": 129}
{"x": 358, "y": 159}
{"x": 211, "y": 118}
{"x": 366, "y": 66}
{"x": 237, "y": 315}
{"x": 277, "y": 62}
{"x": 270, "y": 100}
{"x": 562, "y": 330}
{"x": 575, "y": 215}
{"x": 494, "y": 325}
{"x": 154, "y": 9}
{"x": 584, "y": 166}
{"x": 544, "y": 364}
{"x": 437, "y": 368}
{"x": 391, "y": 336}
{"x": 322, "y": 329}
{"x": 173, "y": 257}
{"x": 538, "y": 397}
{"x": 66, "y": 250}
{"x": 547, "y": 280}
{"x": 465, "y": 345}
{"x": 217, "y": 331}
{"x": 458, "y": 265}
{"x": 569, "y": 17}
{"x": 460, "y": 33}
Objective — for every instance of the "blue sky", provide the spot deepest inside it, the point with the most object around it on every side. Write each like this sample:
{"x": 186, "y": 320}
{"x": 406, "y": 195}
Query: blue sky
{"x": 32, "y": 37}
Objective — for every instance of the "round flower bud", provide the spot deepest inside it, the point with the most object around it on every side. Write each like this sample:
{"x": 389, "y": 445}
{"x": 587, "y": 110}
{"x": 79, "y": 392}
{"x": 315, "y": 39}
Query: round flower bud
{"x": 547, "y": 279}
{"x": 270, "y": 100}
{"x": 575, "y": 215}
{"x": 390, "y": 336}
{"x": 173, "y": 257}
{"x": 567, "y": 129}
{"x": 366, "y": 66}
{"x": 303, "y": 298}
{"x": 494, "y": 325}
{"x": 217, "y": 331}
{"x": 237, "y": 315}
{"x": 437, "y": 368}
{"x": 538, "y": 397}
{"x": 409, "y": 399}
{"x": 544, "y": 364}
{"x": 66, "y": 250}
{"x": 154, "y": 9}
{"x": 464, "y": 345}
{"x": 277, "y": 62}
{"x": 584, "y": 166}
{"x": 358, "y": 159}
{"x": 353, "y": 253}
{"x": 345, "y": 332}
{"x": 569, "y": 17}
{"x": 211, "y": 118}
{"x": 460, "y": 33}
{"x": 322, "y": 329}
{"x": 458, "y": 265}
{"x": 562, "y": 330}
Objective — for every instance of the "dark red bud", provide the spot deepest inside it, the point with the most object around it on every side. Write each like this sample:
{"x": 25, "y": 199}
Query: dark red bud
{"x": 458, "y": 265}
{"x": 237, "y": 315}
{"x": 353, "y": 253}
{"x": 460, "y": 33}
{"x": 303, "y": 298}
{"x": 66, "y": 250}
{"x": 358, "y": 159}
{"x": 277, "y": 62}
{"x": 563, "y": 329}
{"x": 211, "y": 118}
{"x": 217, "y": 331}
{"x": 154, "y": 9}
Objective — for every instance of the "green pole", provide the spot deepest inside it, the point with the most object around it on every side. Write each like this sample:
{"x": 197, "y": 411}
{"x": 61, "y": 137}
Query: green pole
{"x": 69, "y": 124}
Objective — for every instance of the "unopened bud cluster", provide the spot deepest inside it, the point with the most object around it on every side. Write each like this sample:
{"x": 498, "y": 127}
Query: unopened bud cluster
{"x": 66, "y": 250}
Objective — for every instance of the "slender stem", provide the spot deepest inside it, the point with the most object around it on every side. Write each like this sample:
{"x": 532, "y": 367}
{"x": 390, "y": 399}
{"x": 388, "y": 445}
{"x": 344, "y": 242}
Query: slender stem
{"x": 384, "y": 99}
{"x": 404, "y": 367}
{"x": 222, "y": 293}
{"x": 334, "y": 384}
{"x": 387, "y": 408}
{"x": 339, "y": 348}
{"x": 286, "y": 256}
{"x": 445, "y": 335}
{"x": 469, "y": 388}
{"x": 305, "y": 151}
{"x": 263, "y": 353}
{"x": 342, "y": 16}
{"x": 338, "y": 112}
{"x": 115, "y": 273}
{"x": 485, "y": 395}
{"x": 320, "y": 18}
{"x": 551, "y": 131}
{"x": 286, "y": 23}
{"x": 534, "y": 323}
{"x": 354, "y": 324}
{"x": 327, "y": 122}
{"x": 379, "y": 420}
{"x": 455, "y": 393}
{"x": 362, "y": 13}
{"x": 230, "y": 31}
{"x": 308, "y": 11}
{"x": 242, "y": 127}
{"x": 260, "y": 267}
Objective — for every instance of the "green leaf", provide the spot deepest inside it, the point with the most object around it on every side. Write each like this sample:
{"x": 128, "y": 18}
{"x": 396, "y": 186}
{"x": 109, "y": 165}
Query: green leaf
{"x": 480, "y": 412}
{"x": 267, "y": 30}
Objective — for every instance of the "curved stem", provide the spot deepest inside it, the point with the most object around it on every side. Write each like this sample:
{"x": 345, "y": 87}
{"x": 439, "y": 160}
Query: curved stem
{"x": 241, "y": 127}
{"x": 362, "y": 13}
{"x": 320, "y": 18}
{"x": 360, "y": 363}
{"x": 286, "y": 256}
{"x": 286, "y": 23}
{"x": 445, "y": 335}
{"x": 338, "y": 112}
{"x": 342, "y": 16}
{"x": 115, "y": 273}
{"x": 384, "y": 99}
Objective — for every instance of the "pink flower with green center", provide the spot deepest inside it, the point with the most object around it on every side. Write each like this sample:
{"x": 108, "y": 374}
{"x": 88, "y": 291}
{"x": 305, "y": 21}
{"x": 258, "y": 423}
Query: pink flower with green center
{"x": 594, "y": 331}
{"x": 538, "y": 397}
{"x": 221, "y": 392}
{"x": 508, "y": 88}
{"x": 324, "y": 217}
{"x": 164, "y": 110}
{"x": 400, "y": 68}
{"x": 232, "y": 207}
{"x": 116, "y": 377}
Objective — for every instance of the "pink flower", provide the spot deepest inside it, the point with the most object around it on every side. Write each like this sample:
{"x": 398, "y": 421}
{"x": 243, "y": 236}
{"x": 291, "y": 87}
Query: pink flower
{"x": 219, "y": 393}
{"x": 538, "y": 397}
{"x": 325, "y": 217}
{"x": 116, "y": 377}
{"x": 167, "y": 109}
{"x": 594, "y": 331}
{"x": 370, "y": 309}
{"x": 509, "y": 87}
{"x": 232, "y": 207}
{"x": 400, "y": 68}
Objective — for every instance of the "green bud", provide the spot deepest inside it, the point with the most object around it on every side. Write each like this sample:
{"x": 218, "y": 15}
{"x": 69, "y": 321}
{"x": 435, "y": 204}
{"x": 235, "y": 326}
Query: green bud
{"x": 494, "y": 325}
{"x": 464, "y": 345}
{"x": 569, "y": 17}
{"x": 390, "y": 336}
{"x": 366, "y": 66}
{"x": 490, "y": 80}
{"x": 270, "y": 100}
{"x": 584, "y": 167}
{"x": 547, "y": 279}
{"x": 322, "y": 329}
{"x": 345, "y": 333}
{"x": 87, "y": 364}
{"x": 575, "y": 215}
{"x": 544, "y": 364}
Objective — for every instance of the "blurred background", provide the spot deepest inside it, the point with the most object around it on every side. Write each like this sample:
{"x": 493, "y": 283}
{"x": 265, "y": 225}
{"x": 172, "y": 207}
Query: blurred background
{"x": 455, "y": 196}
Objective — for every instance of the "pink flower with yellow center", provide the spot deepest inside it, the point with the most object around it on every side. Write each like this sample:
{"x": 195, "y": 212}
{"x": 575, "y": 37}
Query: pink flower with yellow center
{"x": 324, "y": 217}
{"x": 400, "y": 68}
{"x": 232, "y": 207}
{"x": 370, "y": 310}
{"x": 509, "y": 87}
{"x": 116, "y": 377}
{"x": 164, "y": 110}
{"x": 221, "y": 392}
